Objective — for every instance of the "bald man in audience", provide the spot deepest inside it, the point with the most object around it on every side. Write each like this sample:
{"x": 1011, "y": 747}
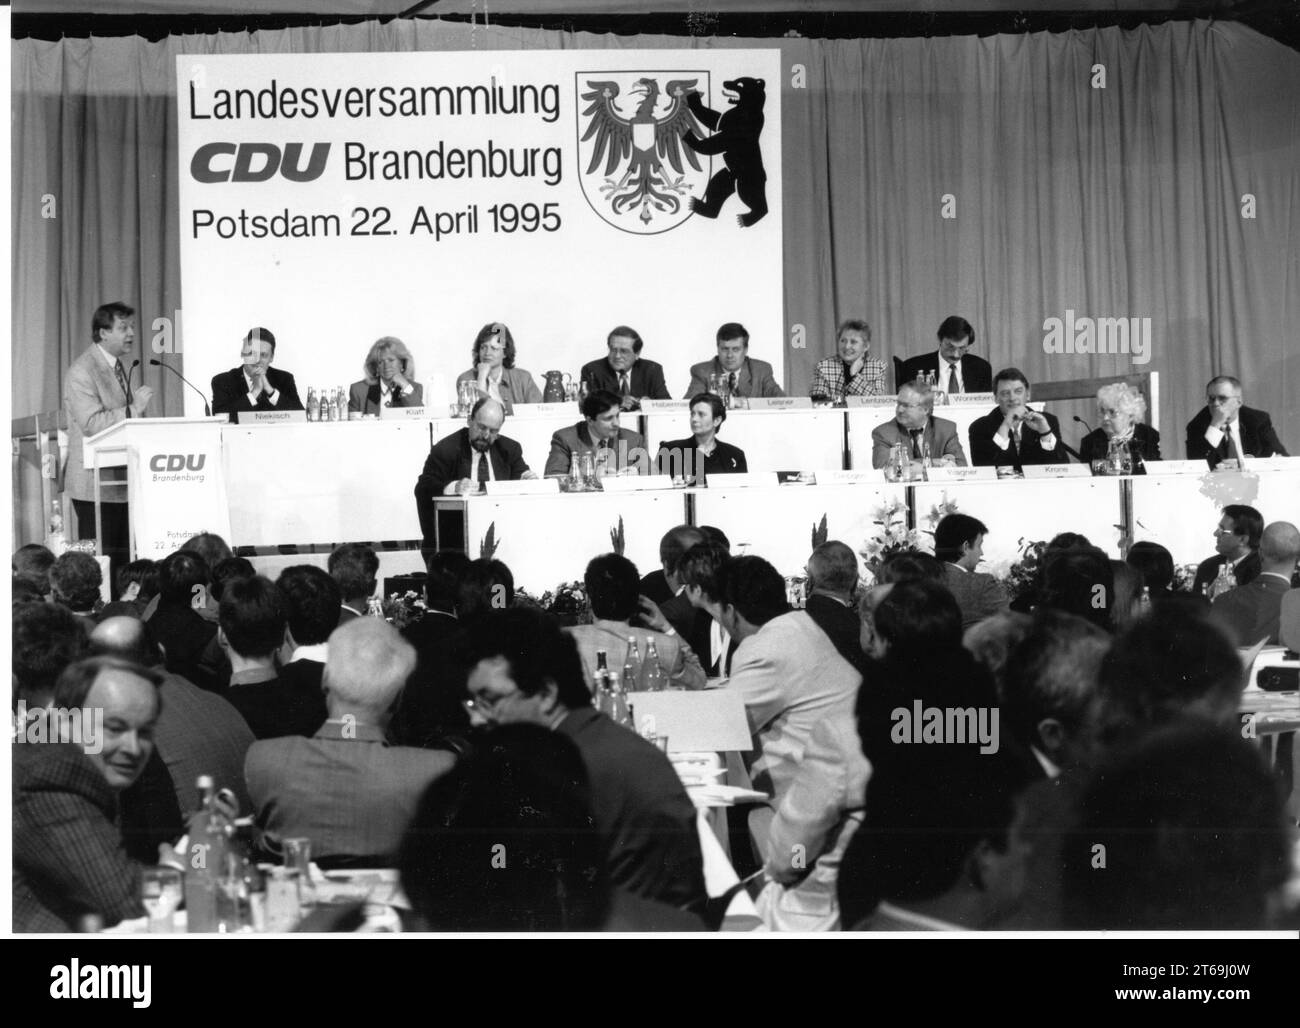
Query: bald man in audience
{"x": 1250, "y": 613}
{"x": 832, "y": 581}
{"x": 345, "y": 788}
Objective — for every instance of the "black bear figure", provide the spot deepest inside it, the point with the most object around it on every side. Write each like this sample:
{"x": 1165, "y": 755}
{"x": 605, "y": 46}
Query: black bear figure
{"x": 735, "y": 137}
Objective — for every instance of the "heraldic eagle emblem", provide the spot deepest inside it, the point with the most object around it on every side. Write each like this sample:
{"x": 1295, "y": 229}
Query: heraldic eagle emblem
{"x": 649, "y": 172}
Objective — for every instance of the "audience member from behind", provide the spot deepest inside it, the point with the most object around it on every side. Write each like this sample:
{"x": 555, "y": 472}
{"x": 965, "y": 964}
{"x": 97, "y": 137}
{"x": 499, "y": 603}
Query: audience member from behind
{"x": 197, "y": 732}
{"x": 665, "y": 607}
{"x": 227, "y": 571}
{"x": 355, "y": 567}
{"x": 485, "y": 585}
{"x": 831, "y": 603}
{"x": 1251, "y": 613}
{"x": 701, "y": 574}
{"x": 137, "y": 583}
{"x": 908, "y": 566}
{"x": 992, "y": 641}
{"x": 1156, "y": 566}
{"x": 524, "y": 668}
{"x": 345, "y": 788}
{"x": 1194, "y": 837}
{"x": 46, "y": 639}
{"x": 188, "y": 639}
{"x": 1079, "y": 581}
{"x": 959, "y": 543}
{"x": 252, "y": 631}
{"x": 75, "y": 579}
{"x": 313, "y": 604}
{"x": 32, "y": 564}
{"x": 1129, "y": 602}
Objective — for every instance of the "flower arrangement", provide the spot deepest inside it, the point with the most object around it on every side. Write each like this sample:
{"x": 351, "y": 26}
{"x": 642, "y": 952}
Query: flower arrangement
{"x": 894, "y": 537}
{"x": 1184, "y": 577}
{"x": 402, "y": 609}
{"x": 568, "y": 602}
{"x": 1022, "y": 575}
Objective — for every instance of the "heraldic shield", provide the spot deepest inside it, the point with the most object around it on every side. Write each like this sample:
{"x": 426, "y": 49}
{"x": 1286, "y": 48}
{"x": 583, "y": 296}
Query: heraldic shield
{"x": 637, "y": 173}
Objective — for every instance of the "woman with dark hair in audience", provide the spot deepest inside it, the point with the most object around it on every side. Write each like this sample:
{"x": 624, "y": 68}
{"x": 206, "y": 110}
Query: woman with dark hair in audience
{"x": 485, "y": 585}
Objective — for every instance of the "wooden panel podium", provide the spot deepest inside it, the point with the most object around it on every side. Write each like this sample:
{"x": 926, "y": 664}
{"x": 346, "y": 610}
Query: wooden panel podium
{"x": 174, "y": 482}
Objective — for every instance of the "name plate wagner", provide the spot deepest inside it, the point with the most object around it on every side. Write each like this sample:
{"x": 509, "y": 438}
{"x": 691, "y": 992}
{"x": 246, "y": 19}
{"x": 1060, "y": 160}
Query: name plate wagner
{"x": 948, "y": 474}
{"x": 656, "y": 406}
{"x": 780, "y": 403}
{"x": 403, "y": 414}
{"x": 1058, "y": 471}
{"x": 272, "y": 417}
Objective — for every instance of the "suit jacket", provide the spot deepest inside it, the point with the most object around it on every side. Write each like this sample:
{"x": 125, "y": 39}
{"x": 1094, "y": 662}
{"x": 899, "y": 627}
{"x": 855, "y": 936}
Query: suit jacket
{"x": 1144, "y": 446}
{"x": 829, "y": 380}
{"x": 940, "y": 433}
{"x": 517, "y": 386}
{"x": 200, "y": 733}
{"x": 365, "y": 396}
{"x": 644, "y": 817}
{"x": 978, "y": 595}
{"x": 94, "y": 401}
{"x": 840, "y": 623}
{"x": 1208, "y": 570}
{"x": 984, "y": 452}
{"x": 816, "y": 819}
{"x": 1257, "y": 436}
{"x": 626, "y": 451}
{"x": 646, "y": 380}
{"x": 450, "y": 460}
{"x": 976, "y": 372}
{"x": 280, "y": 706}
{"x": 1252, "y": 612}
{"x": 230, "y": 392}
{"x": 68, "y": 857}
{"x": 789, "y": 677}
{"x": 755, "y": 378}
{"x": 681, "y": 457}
{"x": 429, "y": 711}
{"x": 187, "y": 640}
{"x": 353, "y": 797}
{"x": 655, "y": 585}
{"x": 678, "y": 661}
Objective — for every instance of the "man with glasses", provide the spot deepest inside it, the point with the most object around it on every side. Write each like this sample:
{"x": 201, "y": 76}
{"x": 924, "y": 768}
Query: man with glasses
{"x": 255, "y": 385}
{"x": 1236, "y": 544}
{"x": 1227, "y": 430}
{"x": 955, "y": 369}
{"x": 916, "y": 428}
{"x": 624, "y": 372}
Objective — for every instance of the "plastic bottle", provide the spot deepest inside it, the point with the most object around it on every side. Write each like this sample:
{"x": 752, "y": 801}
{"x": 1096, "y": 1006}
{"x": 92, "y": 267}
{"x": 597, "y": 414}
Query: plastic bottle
{"x": 56, "y": 541}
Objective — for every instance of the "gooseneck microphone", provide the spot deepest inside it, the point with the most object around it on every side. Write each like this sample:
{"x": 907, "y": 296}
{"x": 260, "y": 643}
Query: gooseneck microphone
{"x": 134, "y": 364}
{"x": 207, "y": 408}
{"x": 1083, "y": 423}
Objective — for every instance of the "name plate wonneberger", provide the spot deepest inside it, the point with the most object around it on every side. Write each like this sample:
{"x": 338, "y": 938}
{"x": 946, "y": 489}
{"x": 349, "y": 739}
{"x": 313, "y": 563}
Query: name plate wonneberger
{"x": 272, "y": 417}
{"x": 533, "y": 410}
{"x": 524, "y": 487}
{"x": 1176, "y": 467}
{"x": 948, "y": 474}
{"x": 656, "y": 406}
{"x": 403, "y": 414}
{"x": 1057, "y": 471}
{"x": 957, "y": 399}
{"x": 635, "y": 483}
{"x": 780, "y": 403}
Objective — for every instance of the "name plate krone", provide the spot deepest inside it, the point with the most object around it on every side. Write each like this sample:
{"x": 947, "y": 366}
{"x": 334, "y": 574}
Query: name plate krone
{"x": 1057, "y": 471}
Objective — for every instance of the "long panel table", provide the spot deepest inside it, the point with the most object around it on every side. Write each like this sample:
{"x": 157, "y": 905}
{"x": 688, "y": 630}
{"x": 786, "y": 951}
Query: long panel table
{"x": 863, "y": 420}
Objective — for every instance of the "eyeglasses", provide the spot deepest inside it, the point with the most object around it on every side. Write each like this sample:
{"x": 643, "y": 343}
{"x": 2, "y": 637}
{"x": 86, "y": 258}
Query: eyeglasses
{"x": 911, "y": 406}
{"x": 485, "y": 706}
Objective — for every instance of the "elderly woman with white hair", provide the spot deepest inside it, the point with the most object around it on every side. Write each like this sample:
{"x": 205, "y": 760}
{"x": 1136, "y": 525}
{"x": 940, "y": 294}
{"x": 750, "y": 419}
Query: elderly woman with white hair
{"x": 1121, "y": 408}
{"x": 390, "y": 379}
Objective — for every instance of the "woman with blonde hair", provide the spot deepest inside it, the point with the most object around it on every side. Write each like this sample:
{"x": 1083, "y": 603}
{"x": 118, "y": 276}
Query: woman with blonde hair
{"x": 390, "y": 379}
{"x": 1121, "y": 409}
{"x": 494, "y": 373}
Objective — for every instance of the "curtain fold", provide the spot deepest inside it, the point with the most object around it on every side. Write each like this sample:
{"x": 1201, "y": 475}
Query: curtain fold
{"x": 1117, "y": 202}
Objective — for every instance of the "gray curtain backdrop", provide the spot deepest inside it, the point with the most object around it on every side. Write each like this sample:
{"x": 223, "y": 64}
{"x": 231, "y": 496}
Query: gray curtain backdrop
{"x": 1117, "y": 202}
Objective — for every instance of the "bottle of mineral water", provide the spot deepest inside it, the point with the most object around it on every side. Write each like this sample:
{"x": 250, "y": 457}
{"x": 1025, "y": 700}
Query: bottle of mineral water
{"x": 205, "y": 860}
{"x": 655, "y": 679}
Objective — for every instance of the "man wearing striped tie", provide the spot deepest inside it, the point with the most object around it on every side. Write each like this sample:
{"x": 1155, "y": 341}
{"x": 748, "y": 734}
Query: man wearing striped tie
{"x": 624, "y": 372}
{"x": 97, "y": 393}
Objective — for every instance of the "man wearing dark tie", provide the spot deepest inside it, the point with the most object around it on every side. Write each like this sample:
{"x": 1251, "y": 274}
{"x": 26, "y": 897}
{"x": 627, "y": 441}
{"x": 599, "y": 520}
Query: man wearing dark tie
{"x": 1226, "y": 430}
{"x": 955, "y": 369}
{"x": 97, "y": 394}
{"x": 624, "y": 373}
{"x": 745, "y": 375}
{"x": 922, "y": 434}
{"x": 464, "y": 462}
{"x": 1012, "y": 435}
{"x": 255, "y": 385}
{"x": 612, "y": 448}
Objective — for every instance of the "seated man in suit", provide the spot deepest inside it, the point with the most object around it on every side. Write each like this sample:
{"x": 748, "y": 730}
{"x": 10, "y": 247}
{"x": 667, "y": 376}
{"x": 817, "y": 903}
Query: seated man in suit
{"x": 746, "y": 375}
{"x": 345, "y": 788}
{"x": 390, "y": 379}
{"x": 915, "y": 426}
{"x": 955, "y": 370}
{"x": 959, "y": 543}
{"x": 614, "y": 449}
{"x": 850, "y": 372}
{"x": 832, "y": 582}
{"x": 702, "y": 455}
{"x": 1252, "y": 612}
{"x": 1013, "y": 435}
{"x": 1121, "y": 408}
{"x": 465, "y": 461}
{"x": 355, "y": 568}
{"x": 255, "y": 385}
{"x": 1225, "y": 429}
{"x": 1236, "y": 544}
{"x": 624, "y": 372}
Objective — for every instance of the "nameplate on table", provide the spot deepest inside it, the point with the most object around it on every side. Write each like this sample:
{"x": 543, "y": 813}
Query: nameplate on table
{"x": 537, "y": 410}
{"x": 780, "y": 403}
{"x": 744, "y": 480}
{"x": 403, "y": 414}
{"x": 665, "y": 406}
{"x": 524, "y": 487}
{"x": 1176, "y": 467}
{"x": 635, "y": 483}
{"x": 710, "y": 720}
{"x": 1272, "y": 464}
{"x": 272, "y": 417}
{"x": 870, "y": 401}
{"x": 835, "y": 476}
{"x": 980, "y": 399}
{"x": 1058, "y": 471}
{"x": 951, "y": 474}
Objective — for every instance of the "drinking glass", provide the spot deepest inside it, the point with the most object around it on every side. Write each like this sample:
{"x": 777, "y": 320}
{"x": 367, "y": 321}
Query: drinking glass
{"x": 161, "y": 892}
{"x": 297, "y": 855}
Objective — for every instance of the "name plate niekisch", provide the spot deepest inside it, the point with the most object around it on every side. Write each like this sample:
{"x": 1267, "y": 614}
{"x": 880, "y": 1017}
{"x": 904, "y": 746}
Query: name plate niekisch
{"x": 272, "y": 417}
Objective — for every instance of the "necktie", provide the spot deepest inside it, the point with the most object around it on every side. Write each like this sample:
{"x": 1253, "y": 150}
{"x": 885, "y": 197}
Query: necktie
{"x": 126, "y": 386}
{"x": 731, "y": 383}
{"x": 1230, "y": 437}
{"x": 483, "y": 469}
{"x": 623, "y": 387}
{"x": 953, "y": 386}
{"x": 915, "y": 433}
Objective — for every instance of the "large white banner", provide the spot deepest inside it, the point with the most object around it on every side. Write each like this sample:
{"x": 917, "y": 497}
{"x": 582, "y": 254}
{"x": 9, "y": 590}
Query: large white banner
{"x": 338, "y": 198}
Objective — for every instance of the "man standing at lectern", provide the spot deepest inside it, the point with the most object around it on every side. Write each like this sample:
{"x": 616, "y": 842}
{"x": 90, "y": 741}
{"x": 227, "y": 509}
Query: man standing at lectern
{"x": 97, "y": 394}
{"x": 255, "y": 385}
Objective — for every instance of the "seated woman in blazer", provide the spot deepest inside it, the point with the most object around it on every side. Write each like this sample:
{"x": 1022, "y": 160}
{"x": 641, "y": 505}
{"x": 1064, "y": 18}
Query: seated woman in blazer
{"x": 1121, "y": 409}
{"x": 494, "y": 373}
{"x": 390, "y": 379}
